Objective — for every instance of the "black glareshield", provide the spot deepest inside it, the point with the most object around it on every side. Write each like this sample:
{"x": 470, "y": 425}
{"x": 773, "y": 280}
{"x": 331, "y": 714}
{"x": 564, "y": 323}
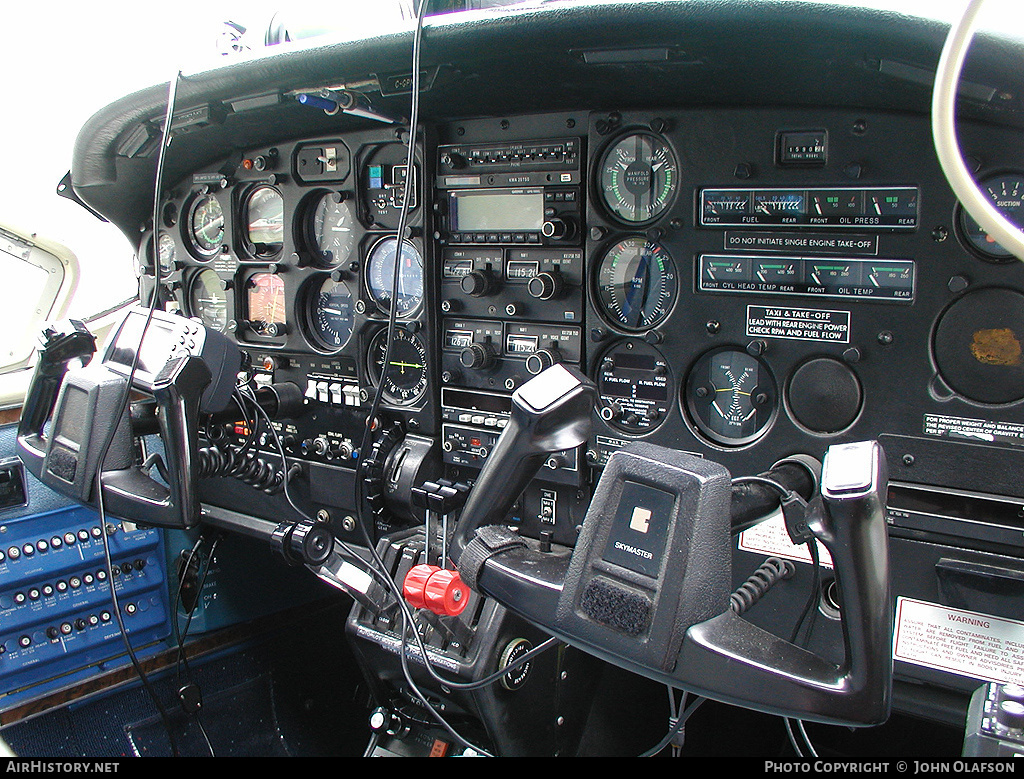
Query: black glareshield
{"x": 647, "y": 585}
{"x": 187, "y": 370}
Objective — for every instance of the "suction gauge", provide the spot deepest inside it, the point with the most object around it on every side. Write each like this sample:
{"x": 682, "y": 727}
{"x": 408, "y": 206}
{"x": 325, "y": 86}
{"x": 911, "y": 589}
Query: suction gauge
{"x": 638, "y": 178}
{"x": 636, "y": 284}
{"x": 1007, "y": 194}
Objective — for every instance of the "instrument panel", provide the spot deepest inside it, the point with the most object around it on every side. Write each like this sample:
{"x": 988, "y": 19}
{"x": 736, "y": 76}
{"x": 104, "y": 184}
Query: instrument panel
{"x": 744, "y": 285}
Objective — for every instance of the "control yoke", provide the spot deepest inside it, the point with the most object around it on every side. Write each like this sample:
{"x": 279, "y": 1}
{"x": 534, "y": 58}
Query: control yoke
{"x": 647, "y": 585}
{"x": 76, "y": 415}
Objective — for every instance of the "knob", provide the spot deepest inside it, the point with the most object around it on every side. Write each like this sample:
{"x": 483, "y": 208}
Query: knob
{"x": 384, "y": 721}
{"x": 477, "y": 356}
{"x": 542, "y": 359}
{"x": 309, "y": 544}
{"x": 478, "y": 283}
{"x": 453, "y": 160}
{"x": 611, "y": 411}
{"x": 1011, "y": 715}
{"x": 546, "y": 285}
{"x": 558, "y": 228}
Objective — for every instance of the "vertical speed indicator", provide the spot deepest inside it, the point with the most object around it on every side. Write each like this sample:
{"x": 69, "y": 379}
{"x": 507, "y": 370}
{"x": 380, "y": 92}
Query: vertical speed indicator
{"x": 639, "y": 176}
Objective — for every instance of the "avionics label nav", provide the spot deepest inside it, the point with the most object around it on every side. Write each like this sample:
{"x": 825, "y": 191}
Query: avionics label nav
{"x": 798, "y": 324}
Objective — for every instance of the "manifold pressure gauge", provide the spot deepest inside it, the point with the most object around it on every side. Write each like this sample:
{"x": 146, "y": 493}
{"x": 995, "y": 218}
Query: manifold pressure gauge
{"x": 638, "y": 178}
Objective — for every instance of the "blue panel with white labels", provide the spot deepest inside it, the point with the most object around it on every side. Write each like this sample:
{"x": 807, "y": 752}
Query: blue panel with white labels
{"x": 57, "y": 618}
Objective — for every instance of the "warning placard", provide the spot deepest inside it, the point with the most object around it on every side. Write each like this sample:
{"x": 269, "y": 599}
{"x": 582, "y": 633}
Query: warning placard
{"x": 799, "y": 324}
{"x": 987, "y": 430}
{"x": 960, "y": 642}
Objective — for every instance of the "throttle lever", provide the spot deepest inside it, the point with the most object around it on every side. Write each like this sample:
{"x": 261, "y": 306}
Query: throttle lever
{"x": 551, "y": 412}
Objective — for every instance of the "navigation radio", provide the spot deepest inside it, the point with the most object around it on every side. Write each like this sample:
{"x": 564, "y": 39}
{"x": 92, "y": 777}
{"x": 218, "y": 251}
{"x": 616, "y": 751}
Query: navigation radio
{"x": 513, "y": 193}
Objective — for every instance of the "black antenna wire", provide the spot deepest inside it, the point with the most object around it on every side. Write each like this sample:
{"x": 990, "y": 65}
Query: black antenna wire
{"x": 123, "y": 405}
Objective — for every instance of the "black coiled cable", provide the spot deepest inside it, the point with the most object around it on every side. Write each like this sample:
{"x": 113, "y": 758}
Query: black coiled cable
{"x": 225, "y": 460}
{"x": 771, "y": 572}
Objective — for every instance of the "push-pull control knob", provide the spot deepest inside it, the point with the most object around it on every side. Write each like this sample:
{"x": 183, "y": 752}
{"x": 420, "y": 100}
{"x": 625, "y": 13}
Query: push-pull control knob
{"x": 437, "y": 589}
{"x": 479, "y": 283}
{"x": 558, "y": 228}
{"x": 478, "y": 356}
{"x": 388, "y": 722}
{"x": 542, "y": 359}
{"x": 546, "y": 285}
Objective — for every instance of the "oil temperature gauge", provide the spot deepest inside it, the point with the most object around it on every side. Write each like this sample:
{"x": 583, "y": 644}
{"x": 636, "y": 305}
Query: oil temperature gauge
{"x": 731, "y": 397}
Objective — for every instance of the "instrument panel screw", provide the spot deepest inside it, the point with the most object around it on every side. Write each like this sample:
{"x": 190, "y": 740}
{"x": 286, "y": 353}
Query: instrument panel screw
{"x": 744, "y": 170}
{"x": 908, "y": 460}
{"x": 713, "y": 326}
{"x": 860, "y": 127}
{"x": 885, "y": 338}
{"x": 940, "y": 234}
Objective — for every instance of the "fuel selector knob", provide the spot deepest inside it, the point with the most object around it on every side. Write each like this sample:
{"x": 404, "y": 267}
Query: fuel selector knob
{"x": 479, "y": 283}
{"x": 477, "y": 356}
{"x": 546, "y": 285}
{"x": 542, "y": 359}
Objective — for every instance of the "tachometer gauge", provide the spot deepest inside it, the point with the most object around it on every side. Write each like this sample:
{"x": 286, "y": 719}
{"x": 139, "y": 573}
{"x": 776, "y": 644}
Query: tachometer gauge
{"x": 405, "y": 376}
{"x": 332, "y": 234}
{"x": 380, "y": 272}
{"x": 636, "y": 283}
{"x": 731, "y": 397}
{"x": 208, "y": 300}
{"x": 638, "y": 178}
{"x": 267, "y": 304}
{"x": 1007, "y": 194}
{"x": 206, "y": 225}
{"x": 263, "y": 218}
{"x": 329, "y": 313}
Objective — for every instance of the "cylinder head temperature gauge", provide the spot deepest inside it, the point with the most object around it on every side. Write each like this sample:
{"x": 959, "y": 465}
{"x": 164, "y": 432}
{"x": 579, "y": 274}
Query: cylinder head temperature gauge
{"x": 730, "y": 397}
